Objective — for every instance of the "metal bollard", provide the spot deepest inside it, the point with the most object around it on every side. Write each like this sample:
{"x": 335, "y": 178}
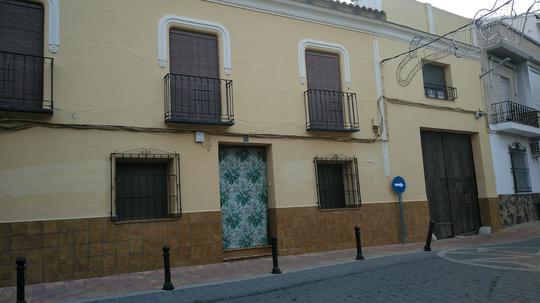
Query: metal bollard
{"x": 21, "y": 267}
{"x": 429, "y": 236}
{"x": 359, "y": 255}
{"x": 167, "y": 266}
{"x": 275, "y": 265}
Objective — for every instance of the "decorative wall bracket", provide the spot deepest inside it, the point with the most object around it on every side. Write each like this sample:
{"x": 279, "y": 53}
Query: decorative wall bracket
{"x": 53, "y": 8}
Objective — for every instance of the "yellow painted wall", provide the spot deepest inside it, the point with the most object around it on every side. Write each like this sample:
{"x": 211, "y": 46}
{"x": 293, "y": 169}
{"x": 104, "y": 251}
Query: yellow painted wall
{"x": 65, "y": 173}
{"x": 107, "y": 72}
{"x": 464, "y": 77}
{"x": 107, "y": 69}
{"x": 446, "y": 22}
{"x": 406, "y": 12}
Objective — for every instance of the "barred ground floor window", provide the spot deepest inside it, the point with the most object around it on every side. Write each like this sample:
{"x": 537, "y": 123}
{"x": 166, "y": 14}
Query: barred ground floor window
{"x": 145, "y": 185}
{"x": 520, "y": 168}
{"x": 337, "y": 180}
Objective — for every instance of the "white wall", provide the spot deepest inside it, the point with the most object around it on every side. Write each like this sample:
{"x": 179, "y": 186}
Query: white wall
{"x": 374, "y": 4}
{"x": 503, "y": 167}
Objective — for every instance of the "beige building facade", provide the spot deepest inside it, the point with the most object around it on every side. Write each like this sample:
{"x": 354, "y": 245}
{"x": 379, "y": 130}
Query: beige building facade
{"x": 128, "y": 156}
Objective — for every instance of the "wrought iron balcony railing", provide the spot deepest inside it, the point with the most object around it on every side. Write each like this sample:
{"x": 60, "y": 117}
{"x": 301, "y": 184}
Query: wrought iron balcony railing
{"x": 508, "y": 111}
{"x": 331, "y": 111}
{"x": 198, "y": 100}
{"x": 438, "y": 91}
{"x": 26, "y": 83}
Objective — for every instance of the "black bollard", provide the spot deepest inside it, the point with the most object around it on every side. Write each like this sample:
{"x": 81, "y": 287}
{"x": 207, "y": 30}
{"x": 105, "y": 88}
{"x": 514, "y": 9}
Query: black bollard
{"x": 275, "y": 267}
{"x": 167, "y": 266}
{"x": 359, "y": 255}
{"x": 21, "y": 267}
{"x": 429, "y": 236}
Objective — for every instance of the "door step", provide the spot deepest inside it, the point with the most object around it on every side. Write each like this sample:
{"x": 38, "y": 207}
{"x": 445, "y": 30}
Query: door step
{"x": 247, "y": 253}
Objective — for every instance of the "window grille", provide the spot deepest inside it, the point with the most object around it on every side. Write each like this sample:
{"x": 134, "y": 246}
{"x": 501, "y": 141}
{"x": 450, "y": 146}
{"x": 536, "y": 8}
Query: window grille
{"x": 520, "y": 168}
{"x": 337, "y": 180}
{"x": 435, "y": 84}
{"x": 145, "y": 184}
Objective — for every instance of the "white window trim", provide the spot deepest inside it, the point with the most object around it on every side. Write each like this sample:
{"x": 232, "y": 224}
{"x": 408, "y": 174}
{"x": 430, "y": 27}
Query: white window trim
{"x": 163, "y": 33}
{"x": 53, "y": 16}
{"x": 309, "y": 43}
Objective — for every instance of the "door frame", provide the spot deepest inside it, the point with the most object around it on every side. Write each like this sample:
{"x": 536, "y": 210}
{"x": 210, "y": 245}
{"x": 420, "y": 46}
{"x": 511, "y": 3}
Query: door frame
{"x": 476, "y": 206}
{"x": 270, "y": 224}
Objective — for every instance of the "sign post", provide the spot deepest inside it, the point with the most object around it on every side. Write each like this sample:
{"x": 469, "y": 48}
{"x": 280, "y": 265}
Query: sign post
{"x": 399, "y": 186}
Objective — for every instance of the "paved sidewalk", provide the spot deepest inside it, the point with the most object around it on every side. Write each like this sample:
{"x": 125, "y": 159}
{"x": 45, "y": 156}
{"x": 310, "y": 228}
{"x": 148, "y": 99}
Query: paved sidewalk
{"x": 405, "y": 278}
{"x": 126, "y": 284}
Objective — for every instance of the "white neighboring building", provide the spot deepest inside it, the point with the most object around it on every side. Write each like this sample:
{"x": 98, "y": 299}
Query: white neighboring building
{"x": 512, "y": 93}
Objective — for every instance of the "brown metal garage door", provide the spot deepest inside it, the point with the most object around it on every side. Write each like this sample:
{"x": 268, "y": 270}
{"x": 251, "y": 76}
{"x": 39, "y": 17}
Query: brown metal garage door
{"x": 450, "y": 183}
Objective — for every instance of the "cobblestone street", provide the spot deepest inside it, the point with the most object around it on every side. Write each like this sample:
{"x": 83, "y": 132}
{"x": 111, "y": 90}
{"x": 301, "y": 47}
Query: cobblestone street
{"x": 415, "y": 277}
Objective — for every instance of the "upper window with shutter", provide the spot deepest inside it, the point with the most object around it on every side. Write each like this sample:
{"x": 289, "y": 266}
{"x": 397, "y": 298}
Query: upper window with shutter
{"x": 196, "y": 94}
{"x": 21, "y": 27}
{"x": 328, "y": 107}
{"x": 21, "y": 57}
{"x": 436, "y": 82}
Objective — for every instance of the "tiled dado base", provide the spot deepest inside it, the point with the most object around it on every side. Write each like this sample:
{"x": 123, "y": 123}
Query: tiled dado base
{"x": 73, "y": 249}
{"x": 309, "y": 229}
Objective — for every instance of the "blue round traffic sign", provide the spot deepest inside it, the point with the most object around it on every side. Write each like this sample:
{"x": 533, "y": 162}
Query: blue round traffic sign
{"x": 399, "y": 185}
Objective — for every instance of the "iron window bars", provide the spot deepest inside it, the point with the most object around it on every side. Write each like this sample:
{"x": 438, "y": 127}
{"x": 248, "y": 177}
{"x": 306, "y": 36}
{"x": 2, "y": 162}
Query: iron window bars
{"x": 337, "y": 181}
{"x": 26, "y": 83}
{"x": 198, "y": 100}
{"x": 145, "y": 184}
{"x": 508, "y": 111}
{"x": 331, "y": 111}
{"x": 520, "y": 168}
{"x": 438, "y": 91}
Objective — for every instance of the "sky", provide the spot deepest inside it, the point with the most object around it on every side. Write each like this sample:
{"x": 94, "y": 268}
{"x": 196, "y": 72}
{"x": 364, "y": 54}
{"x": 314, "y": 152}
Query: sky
{"x": 468, "y": 8}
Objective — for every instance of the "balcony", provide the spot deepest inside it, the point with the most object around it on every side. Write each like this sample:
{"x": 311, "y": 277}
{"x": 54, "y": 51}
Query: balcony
{"x": 26, "y": 83}
{"x": 198, "y": 100}
{"x": 331, "y": 111}
{"x": 515, "y": 118}
{"x": 438, "y": 91}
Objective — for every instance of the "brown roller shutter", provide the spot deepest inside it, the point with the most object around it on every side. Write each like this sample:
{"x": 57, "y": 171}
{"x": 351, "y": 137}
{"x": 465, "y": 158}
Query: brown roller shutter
{"x": 325, "y": 104}
{"x": 21, "y": 54}
{"x": 196, "y": 84}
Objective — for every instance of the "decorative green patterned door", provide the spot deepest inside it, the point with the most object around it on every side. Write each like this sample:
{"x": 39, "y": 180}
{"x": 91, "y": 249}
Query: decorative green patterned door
{"x": 244, "y": 196}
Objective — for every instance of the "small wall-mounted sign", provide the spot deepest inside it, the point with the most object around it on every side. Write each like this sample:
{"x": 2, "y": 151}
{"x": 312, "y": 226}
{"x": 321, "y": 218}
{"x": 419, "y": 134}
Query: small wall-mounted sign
{"x": 245, "y": 139}
{"x": 199, "y": 137}
{"x": 399, "y": 185}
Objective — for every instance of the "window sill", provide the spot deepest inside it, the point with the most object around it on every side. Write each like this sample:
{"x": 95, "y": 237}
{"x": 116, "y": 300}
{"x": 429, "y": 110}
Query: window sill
{"x": 331, "y": 129}
{"x": 341, "y": 209}
{"x": 147, "y": 220}
{"x": 440, "y": 99}
{"x": 26, "y": 111}
{"x": 199, "y": 122}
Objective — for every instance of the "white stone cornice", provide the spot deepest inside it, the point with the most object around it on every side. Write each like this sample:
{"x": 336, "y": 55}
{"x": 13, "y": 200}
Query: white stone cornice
{"x": 310, "y": 13}
{"x": 163, "y": 32}
{"x": 309, "y": 43}
{"x": 53, "y": 8}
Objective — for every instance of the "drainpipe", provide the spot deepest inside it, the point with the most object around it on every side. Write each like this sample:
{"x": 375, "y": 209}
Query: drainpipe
{"x": 380, "y": 103}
